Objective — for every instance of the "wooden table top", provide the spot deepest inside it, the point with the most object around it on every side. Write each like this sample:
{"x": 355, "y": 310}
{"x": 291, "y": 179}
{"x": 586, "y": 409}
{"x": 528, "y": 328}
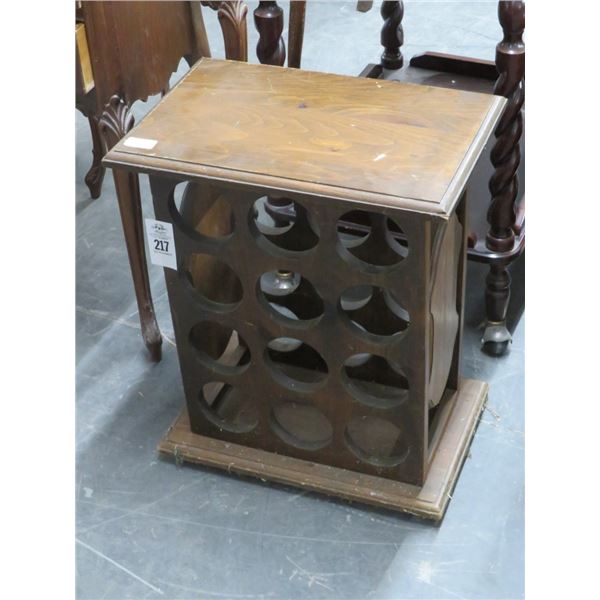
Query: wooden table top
{"x": 378, "y": 142}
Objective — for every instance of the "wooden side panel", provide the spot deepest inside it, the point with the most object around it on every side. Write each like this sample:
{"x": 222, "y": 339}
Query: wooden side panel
{"x": 443, "y": 310}
{"x": 135, "y": 46}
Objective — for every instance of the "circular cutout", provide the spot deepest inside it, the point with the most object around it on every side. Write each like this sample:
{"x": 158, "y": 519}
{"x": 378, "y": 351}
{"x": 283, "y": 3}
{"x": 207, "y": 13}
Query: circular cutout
{"x": 301, "y": 425}
{"x": 200, "y": 210}
{"x": 372, "y": 381}
{"x": 295, "y": 365}
{"x": 213, "y": 280}
{"x": 289, "y": 296}
{"x": 375, "y": 240}
{"x": 373, "y": 310}
{"x": 376, "y": 441}
{"x": 228, "y": 408}
{"x": 284, "y": 223}
{"x": 220, "y": 347}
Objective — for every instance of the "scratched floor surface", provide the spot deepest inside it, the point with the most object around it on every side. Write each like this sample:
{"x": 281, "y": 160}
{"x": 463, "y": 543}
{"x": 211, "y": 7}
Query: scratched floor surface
{"x": 148, "y": 529}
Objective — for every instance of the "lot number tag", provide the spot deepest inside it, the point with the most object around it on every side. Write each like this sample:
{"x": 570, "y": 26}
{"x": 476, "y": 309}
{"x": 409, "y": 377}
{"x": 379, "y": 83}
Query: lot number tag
{"x": 161, "y": 243}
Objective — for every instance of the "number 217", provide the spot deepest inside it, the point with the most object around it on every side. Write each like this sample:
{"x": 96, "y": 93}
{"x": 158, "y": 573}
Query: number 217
{"x": 162, "y": 245}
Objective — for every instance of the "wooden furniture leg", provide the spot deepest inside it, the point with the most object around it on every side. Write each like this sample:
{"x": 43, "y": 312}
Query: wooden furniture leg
{"x": 270, "y": 50}
{"x": 232, "y": 18}
{"x": 296, "y": 32}
{"x": 115, "y": 122}
{"x": 95, "y": 175}
{"x": 504, "y": 184}
{"x": 392, "y": 34}
{"x": 268, "y": 18}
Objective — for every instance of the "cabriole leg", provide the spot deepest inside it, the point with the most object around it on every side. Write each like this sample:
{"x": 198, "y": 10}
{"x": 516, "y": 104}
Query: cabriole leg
{"x": 115, "y": 122}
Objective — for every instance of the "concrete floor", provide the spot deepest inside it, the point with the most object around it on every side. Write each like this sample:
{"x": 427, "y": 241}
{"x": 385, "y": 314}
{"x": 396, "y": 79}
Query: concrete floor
{"x": 149, "y": 529}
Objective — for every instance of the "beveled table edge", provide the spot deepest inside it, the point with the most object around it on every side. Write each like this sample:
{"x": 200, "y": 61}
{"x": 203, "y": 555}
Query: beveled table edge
{"x": 119, "y": 159}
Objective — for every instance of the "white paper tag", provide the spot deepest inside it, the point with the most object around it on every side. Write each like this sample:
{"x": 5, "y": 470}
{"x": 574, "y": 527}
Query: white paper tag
{"x": 143, "y": 143}
{"x": 161, "y": 243}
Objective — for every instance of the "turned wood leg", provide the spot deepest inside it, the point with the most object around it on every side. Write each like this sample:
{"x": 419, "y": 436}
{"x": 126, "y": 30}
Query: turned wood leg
{"x": 95, "y": 175}
{"x": 115, "y": 122}
{"x": 497, "y": 296}
{"x": 504, "y": 183}
{"x": 296, "y": 32}
{"x": 268, "y": 18}
{"x": 270, "y": 50}
{"x": 392, "y": 34}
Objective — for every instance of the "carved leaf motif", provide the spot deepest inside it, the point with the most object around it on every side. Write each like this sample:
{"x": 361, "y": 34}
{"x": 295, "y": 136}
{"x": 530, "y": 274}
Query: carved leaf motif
{"x": 235, "y": 12}
{"x": 116, "y": 120}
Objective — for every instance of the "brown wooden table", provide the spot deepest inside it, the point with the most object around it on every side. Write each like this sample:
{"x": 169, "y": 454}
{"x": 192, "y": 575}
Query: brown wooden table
{"x": 325, "y": 351}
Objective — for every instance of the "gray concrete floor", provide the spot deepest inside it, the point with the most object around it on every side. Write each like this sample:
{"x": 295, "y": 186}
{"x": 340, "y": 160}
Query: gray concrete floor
{"x": 149, "y": 529}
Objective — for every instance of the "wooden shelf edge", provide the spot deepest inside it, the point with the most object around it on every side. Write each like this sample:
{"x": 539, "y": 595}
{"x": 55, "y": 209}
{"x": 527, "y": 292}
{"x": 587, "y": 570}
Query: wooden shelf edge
{"x": 429, "y": 501}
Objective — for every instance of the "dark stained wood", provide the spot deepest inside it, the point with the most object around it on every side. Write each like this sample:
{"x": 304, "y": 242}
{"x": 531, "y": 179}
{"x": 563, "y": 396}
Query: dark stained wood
{"x": 506, "y": 158}
{"x": 268, "y": 18}
{"x": 462, "y": 212}
{"x": 460, "y": 65}
{"x": 510, "y": 59}
{"x": 347, "y": 139}
{"x": 361, "y": 404}
{"x": 296, "y": 32}
{"x": 85, "y": 101}
{"x": 429, "y": 502}
{"x": 95, "y": 176}
{"x": 499, "y": 239}
{"x": 392, "y": 34}
{"x": 443, "y": 306}
{"x": 372, "y": 71}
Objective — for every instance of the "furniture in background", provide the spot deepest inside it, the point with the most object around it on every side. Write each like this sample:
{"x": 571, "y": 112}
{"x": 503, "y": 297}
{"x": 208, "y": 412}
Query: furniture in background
{"x": 127, "y": 51}
{"x": 324, "y": 351}
{"x": 497, "y": 198}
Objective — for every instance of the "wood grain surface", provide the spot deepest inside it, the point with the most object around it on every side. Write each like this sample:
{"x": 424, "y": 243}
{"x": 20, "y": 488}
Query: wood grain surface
{"x": 386, "y": 143}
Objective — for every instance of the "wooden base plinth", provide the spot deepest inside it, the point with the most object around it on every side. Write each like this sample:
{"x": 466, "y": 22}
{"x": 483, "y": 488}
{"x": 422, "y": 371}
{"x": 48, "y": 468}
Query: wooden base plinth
{"x": 429, "y": 501}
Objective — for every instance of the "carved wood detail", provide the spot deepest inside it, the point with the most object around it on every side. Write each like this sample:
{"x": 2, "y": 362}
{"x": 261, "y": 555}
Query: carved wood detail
{"x": 115, "y": 122}
{"x": 506, "y": 154}
{"x": 392, "y": 34}
{"x": 232, "y": 18}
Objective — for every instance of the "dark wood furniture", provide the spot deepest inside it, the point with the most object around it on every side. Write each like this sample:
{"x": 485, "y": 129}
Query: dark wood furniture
{"x": 127, "y": 51}
{"x": 497, "y": 207}
{"x": 497, "y": 212}
{"x": 324, "y": 351}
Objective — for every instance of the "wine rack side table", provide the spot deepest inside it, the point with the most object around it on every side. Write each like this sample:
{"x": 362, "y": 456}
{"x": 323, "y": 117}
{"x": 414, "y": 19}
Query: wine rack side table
{"x": 323, "y": 350}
